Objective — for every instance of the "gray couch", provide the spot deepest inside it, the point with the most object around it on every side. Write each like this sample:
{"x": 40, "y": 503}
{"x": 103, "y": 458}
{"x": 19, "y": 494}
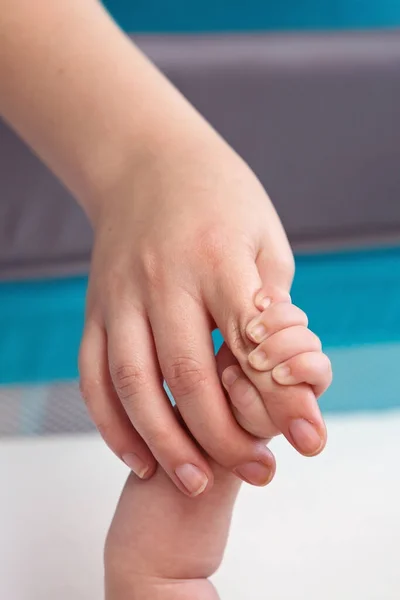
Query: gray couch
{"x": 316, "y": 116}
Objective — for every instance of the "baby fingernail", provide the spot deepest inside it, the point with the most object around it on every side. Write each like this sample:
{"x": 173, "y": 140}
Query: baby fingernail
{"x": 257, "y": 332}
{"x": 262, "y": 302}
{"x": 193, "y": 479}
{"x": 229, "y": 376}
{"x": 305, "y": 436}
{"x": 258, "y": 359}
{"x": 282, "y": 374}
{"x": 136, "y": 464}
{"x": 255, "y": 473}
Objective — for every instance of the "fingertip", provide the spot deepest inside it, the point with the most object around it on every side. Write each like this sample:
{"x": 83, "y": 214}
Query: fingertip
{"x": 308, "y": 437}
{"x": 150, "y": 472}
{"x": 282, "y": 374}
{"x": 258, "y": 472}
{"x": 194, "y": 480}
{"x": 143, "y": 468}
{"x": 229, "y": 376}
{"x": 313, "y": 368}
{"x": 263, "y": 299}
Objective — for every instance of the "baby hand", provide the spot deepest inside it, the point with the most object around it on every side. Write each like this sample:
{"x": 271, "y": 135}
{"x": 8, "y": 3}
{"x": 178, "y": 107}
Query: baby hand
{"x": 291, "y": 371}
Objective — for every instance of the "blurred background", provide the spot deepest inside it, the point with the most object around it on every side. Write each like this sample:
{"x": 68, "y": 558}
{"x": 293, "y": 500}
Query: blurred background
{"x": 309, "y": 94}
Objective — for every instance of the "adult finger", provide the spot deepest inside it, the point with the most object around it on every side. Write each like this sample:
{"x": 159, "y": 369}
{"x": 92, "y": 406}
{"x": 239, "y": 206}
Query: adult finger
{"x": 138, "y": 383}
{"x": 276, "y": 272}
{"x": 185, "y": 354}
{"x": 296, "y": 415}
{"x": 104, "y": 406}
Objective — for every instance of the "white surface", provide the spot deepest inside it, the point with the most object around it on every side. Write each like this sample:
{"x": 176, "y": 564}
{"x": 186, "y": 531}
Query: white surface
{"x": 327, "y": 528}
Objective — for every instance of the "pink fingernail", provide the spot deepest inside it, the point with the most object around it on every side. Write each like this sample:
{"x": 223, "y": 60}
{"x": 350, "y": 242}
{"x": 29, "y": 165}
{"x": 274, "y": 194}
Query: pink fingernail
{"x": 257, "y": 332}
{"x": 262, "y": 302}
{"x": 193, "y": 479}
{"x": 229, "y": 376}
{"x": 258, "y": 359}
{"x": 282, "y": 374}
{"x": 305, "y": 437}
{"x": 255, "y": 473}
{"x": 136, "y": 464}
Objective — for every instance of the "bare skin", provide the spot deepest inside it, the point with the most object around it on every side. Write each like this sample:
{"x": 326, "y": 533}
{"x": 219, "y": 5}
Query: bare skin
{"x": 293, "y": 369}
{"x": 163, "y": 545}
{"x": 185, "y": 239}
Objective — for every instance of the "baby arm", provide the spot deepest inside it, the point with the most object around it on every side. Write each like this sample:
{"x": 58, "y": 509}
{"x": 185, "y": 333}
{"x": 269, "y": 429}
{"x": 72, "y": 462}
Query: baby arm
{"x": 163, "y": 545}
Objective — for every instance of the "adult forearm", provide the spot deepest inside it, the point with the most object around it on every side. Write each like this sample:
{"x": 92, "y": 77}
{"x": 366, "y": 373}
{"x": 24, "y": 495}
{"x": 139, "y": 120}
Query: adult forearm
{"x": 80, "y": 93}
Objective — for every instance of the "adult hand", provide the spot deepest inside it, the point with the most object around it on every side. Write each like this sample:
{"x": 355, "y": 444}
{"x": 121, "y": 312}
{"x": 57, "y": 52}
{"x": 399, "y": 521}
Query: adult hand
{"x": 185, "y": 237}
{"x": 184, "y": 245}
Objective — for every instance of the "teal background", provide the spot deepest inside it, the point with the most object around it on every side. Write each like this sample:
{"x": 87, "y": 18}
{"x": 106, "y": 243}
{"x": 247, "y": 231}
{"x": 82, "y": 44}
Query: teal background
{"x": 352, "y": 299}
{"x": 198, "y": 16}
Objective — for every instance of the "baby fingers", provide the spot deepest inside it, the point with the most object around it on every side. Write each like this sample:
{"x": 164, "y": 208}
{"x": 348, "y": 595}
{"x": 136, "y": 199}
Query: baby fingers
{"x": 313, "y": 368}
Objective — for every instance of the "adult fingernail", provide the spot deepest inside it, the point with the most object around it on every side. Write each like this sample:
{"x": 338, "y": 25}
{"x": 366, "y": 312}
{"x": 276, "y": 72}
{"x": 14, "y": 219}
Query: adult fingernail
{"x": 255, "y": 473}
{"x": 305, "y": 437}
{"x": 282, "y": 374}
{"x": 136, "y": 464}
{"x": 229, "y": 376}
{"x": 257, "y": 331}
{"x": 258, "y": 359}
{"x": 193, "y": 479}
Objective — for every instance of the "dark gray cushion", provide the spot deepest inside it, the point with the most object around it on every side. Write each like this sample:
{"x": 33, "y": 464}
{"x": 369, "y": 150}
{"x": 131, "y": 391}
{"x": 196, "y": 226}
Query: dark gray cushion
{"x": 317, "y": 117}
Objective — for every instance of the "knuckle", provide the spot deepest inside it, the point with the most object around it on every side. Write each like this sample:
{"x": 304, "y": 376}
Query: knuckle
{"x": 185, "y": 375}
{"x": 286, "y": 268}
{"x": 129, "y": 380}
{"x": 159, "y": 438}
{"x": 283, "y": 269}
{"x": 151, "y": 267}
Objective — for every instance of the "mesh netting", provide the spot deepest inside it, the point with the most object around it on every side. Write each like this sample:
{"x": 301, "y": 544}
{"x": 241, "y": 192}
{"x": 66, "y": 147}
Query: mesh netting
{"x": 42, "y": 410}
